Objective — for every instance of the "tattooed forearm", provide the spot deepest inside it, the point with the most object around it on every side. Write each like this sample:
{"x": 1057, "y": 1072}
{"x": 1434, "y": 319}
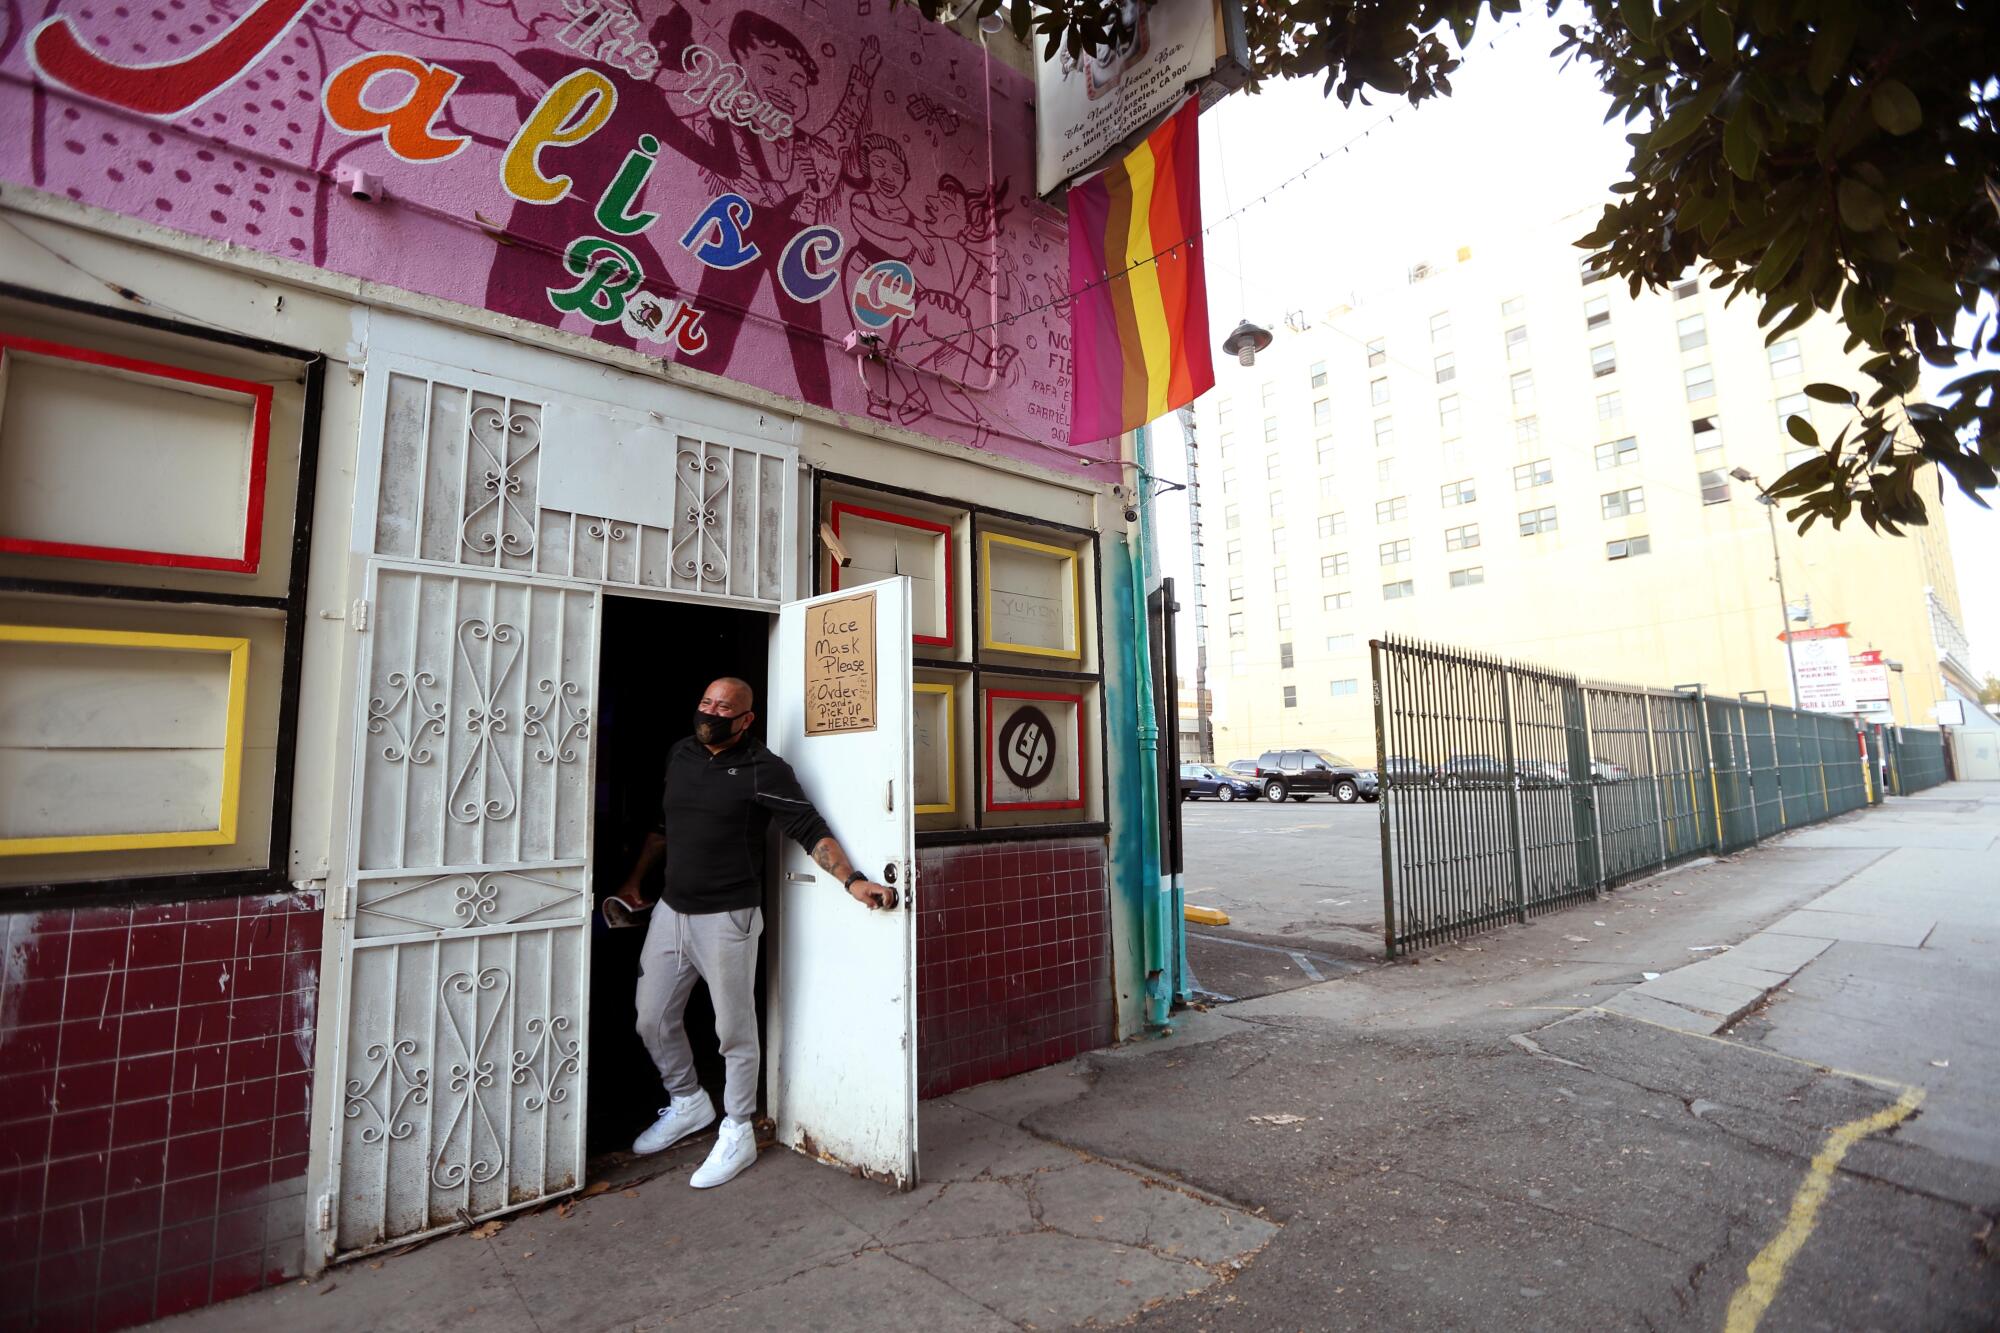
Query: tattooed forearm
{"x": 827, "y": 856}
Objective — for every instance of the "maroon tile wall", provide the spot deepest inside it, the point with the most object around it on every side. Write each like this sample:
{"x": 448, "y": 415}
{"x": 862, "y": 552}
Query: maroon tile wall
{"x": 155, "y": 1089}
{"x": 1013, "y": 959}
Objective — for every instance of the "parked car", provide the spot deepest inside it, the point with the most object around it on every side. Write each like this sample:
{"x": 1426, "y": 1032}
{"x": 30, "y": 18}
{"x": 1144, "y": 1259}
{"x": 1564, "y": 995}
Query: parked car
{"x": 1541, "y": 772}
{"x": 1407, "y": 772}
{"x": 1199, "y": 780}
{"x": 1244, "y": 768}
{"x": 1304, "y": 774}
{"x": 1476, "y": 770}
{"x": 1603, "y": 770}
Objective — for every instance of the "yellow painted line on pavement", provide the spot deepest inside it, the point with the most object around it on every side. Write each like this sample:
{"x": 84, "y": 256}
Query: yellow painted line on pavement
{"x": 1767, "y": 1270}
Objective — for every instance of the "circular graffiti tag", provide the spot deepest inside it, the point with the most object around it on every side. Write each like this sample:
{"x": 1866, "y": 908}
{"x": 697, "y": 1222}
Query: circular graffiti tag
{"x": 1027, "y": 747}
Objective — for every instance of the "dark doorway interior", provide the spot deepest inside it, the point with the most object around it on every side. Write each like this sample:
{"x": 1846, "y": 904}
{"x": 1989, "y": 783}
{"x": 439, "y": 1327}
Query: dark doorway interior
{"x": 654, "y": 661}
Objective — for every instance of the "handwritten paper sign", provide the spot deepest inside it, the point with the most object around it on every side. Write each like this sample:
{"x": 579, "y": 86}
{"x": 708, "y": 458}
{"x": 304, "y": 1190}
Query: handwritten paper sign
{"x": 840, "y": 665}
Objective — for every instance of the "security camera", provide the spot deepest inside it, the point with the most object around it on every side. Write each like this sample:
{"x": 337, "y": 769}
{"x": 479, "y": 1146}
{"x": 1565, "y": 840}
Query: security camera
{"x": 1131, "y": 514}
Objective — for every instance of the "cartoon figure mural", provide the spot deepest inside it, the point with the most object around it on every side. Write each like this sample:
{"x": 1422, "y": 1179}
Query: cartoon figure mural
{"x": 733, "y": 187}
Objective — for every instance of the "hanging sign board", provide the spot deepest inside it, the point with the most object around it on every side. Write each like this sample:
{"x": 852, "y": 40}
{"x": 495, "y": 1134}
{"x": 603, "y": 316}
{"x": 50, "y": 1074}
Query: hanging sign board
{"x": 1087, "y": 111}
{"x": 1819, "y": 656}
{"x": 840, "y": 665}
{"x": 1868, "y": 673}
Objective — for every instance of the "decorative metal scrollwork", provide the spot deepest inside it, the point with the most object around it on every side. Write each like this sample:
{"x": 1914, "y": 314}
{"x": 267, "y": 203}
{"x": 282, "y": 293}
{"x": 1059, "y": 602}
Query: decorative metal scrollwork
{"x": 608, "y": 530}
{"x": 571, "y": 724}
{"x": 486, "y": 898}
{"x": 467, "y": 1078}
{"x": 476, "y": 900}
{"x": 391, "y": 1089}
{"x": 497, "y": 522}
{"x": 407, "y": 717}
{"x": 701, "y": 493}
{"x": 486, "y": 719}
{"x": 544, "y": 1066}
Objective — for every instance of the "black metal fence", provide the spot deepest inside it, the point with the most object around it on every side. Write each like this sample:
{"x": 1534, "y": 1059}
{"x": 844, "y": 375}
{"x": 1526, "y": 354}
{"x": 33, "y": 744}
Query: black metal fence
{"x": 1509, "y": 790}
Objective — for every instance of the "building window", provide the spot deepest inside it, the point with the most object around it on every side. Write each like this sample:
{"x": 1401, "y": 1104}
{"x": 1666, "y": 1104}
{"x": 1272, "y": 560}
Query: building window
{"x": 1323, "y": 450}
{"x": 1223, "y": 409}
{"x": 1388, "y": 511}
{"x": 1333, "y": 525}
{"x": 1538, "y": 520}
{"x": 1284, "y": 657}
{"x": 1318, "y": 372}
{"x": 1441, "y": 326}
{"x": 1460, "y": 492}
{"x": 1687, "y": 287}
{"x": 1328, "y": 486}
{"x": 1715, "y": 487}
{"x": 1278, "y": 540}
{"x": 1707, "y": 433}
{"x": 1284, "y": 617}
{"x": 1467, "y": 578}
{"x": 1281, "y": 581}
{"x": 1228, "y": 480}
{"x": 1343, "y": 688}
{"x": 1277, "y": 504}
{"x": 1700, "y": 381}
{"x": 1784, "y": 356}
{"x": 1794, "y": 457}
{"x": 1517, "y": 343}
{"x": 1603, "y": 359}
{"x": 1594, "y": 268}
{"x": 1462, "y": 538}
{"x": 1339, "y": 645}
{"x": 1617, "y": 453}
{"x": 1627, "y": 547}
{"x": 1385, "y": 432}
{"x": 1322, "y": 412}
{"x": 1513, "y": 305}
{"x": 1270, "y": 430}
{"x": 1521, "y": 386}
{"x": 1445, "y": 367}
{"x": 1291, "y": 696}
{"x": 1618, "y": 504}
{"x": 1377, "y": 351}
{"x": 1235, "y": 550}
{"x": 1395, "y": 592}
{"x": 1597, "y": 312}
{"x": 1235, "y": 624}
{"x": 1693, "y": 331}
{"x": 1336, "y": 601}
{"x": 1273, "y": 466}
{"x": 1239, "y": 662}
{"x": 1793, "y": 405}
{"x": 1448, "y": 416}
{"x": 1227, "y": 441}
{"x": 1528, "y": 430}
{"x": 1231, "y": 518}
{"x": 1385, "y": 469}
{"x": 1393, "y": 553}
{"x": 1530, "y": 475}
{"x": 1610, "y": 406}
{"x": 1333, "y": 566}
{"x": 1270, "y": 392}
{"x": 1236, "y": 589}
{"x": 1378, "y": 391}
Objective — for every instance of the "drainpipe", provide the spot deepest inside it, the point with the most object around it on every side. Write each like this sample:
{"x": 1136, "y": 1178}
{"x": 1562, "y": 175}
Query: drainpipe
{"x": 1160, "y": 942}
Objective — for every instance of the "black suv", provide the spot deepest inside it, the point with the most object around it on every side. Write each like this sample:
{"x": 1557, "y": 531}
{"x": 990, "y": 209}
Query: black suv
{"x": 1303, "y": 774}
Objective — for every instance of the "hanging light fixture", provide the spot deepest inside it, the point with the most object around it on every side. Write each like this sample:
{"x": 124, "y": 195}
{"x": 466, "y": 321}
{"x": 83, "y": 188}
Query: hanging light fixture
{"x": 1246, "y": 341}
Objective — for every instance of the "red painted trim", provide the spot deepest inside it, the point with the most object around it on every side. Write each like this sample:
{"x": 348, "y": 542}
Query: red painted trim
{"x": 838, "y": 508}
{"x": 998, "y": 806}
{"x": 260, "y": 443}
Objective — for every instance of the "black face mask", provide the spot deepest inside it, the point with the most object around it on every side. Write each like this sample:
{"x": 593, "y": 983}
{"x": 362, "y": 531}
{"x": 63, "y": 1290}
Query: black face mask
{"x": 712, "y": 730}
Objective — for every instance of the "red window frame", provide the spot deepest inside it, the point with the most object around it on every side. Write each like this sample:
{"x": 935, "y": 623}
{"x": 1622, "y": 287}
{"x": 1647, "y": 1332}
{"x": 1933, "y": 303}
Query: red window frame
{"x": 1082, "y": 788}
{"x": 260, "y": 442}
{"x": 839, "y": 507}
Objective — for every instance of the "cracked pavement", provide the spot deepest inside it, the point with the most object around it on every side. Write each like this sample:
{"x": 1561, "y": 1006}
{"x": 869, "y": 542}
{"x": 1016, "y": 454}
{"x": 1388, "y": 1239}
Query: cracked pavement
{"x": 1518, "y": 1131}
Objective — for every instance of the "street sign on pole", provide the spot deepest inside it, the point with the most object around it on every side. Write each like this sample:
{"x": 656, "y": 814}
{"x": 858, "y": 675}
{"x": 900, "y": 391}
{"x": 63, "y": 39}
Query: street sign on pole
{"x": 1819, "y": 656}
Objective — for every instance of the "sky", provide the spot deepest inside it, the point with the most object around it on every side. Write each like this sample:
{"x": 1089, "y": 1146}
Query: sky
{"x": 1517, "y": 133}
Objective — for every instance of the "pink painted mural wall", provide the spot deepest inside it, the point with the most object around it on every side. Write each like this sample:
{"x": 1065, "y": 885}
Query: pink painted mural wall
{"x": 729, "y": 186}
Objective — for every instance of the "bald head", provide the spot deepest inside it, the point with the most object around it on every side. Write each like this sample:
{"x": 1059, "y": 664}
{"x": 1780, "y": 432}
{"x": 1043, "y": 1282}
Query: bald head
{"x": 731, "y": 693}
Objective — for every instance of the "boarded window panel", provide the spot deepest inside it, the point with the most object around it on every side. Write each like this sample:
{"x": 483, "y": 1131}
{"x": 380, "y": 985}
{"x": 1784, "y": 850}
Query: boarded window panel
{"x": 116, "y": 740}
{"x": 1034, "y": 750}
{"x": 1030, "y": 597}
{"x": 108, "y": 458}
{"x": 936, "y": 753}
{"x": 883, "y": 545}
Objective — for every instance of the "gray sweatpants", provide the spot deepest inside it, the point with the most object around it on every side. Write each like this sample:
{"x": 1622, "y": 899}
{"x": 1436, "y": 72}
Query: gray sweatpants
{"x": 721, "y": 949}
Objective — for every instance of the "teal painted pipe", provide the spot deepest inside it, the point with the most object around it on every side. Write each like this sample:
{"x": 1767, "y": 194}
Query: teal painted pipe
{"x": 1159, "y": 937}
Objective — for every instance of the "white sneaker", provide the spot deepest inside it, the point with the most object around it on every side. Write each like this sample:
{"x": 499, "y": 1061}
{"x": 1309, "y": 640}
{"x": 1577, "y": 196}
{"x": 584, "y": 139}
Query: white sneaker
{"x": 681, "y": 1117}
{"x": 735, "y": 1149}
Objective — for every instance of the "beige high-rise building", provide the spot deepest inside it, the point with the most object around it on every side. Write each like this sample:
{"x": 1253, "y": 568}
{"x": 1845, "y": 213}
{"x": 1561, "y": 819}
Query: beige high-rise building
{"x": 1503, "y": 450}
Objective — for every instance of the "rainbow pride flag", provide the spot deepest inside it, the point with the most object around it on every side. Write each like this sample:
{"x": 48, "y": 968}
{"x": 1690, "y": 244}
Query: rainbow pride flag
{"x": 1139, "y": 341}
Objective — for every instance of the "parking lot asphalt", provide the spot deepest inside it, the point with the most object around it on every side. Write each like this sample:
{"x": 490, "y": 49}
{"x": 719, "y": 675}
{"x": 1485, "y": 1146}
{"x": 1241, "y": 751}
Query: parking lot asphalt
{"x": 1293, "y": 877}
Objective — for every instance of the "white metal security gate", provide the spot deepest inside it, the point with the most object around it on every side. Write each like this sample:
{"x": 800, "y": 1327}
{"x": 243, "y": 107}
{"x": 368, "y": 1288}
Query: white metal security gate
{"x": 489, "y": 516}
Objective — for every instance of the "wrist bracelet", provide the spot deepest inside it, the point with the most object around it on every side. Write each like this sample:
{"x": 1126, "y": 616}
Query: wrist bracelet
{"x": 848, "y": 883}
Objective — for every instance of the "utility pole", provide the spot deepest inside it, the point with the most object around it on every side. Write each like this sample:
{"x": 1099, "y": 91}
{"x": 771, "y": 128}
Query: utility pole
{"x": 1778, "y": 573}
{"x": 1204, "y": 738}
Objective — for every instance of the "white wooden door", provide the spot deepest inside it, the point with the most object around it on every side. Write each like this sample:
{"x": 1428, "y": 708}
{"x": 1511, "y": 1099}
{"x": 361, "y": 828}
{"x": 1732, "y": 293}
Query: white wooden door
{"x": 842, "y": 1030}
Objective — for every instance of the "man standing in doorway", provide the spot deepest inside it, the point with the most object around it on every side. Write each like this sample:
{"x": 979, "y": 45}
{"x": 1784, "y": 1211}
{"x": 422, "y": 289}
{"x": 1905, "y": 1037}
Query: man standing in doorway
{"x": 723, "y": 789}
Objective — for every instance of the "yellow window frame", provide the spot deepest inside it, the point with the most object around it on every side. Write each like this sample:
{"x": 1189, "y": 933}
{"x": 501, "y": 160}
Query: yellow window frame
{"x": 950, "y": 693}
{"x": 238, "y": 651}
{"x": 987, "y": 541}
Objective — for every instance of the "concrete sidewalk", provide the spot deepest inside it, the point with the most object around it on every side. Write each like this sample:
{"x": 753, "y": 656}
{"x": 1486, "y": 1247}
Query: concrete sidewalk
{"x": 1517, "y": 1131}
